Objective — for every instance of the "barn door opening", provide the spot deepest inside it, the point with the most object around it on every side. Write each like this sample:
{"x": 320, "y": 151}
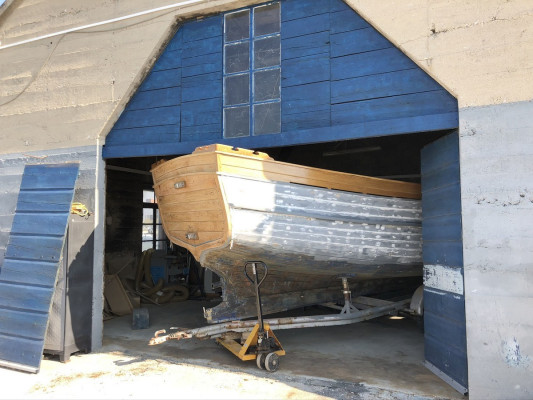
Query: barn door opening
{"x": 444, "y": 302}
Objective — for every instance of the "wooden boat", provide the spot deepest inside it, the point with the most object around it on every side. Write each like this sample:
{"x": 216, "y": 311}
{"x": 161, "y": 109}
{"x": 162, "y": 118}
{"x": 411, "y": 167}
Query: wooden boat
{"x": 311, "y": 227}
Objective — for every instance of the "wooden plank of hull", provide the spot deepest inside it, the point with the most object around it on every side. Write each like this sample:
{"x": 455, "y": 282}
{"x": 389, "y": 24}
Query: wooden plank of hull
{"x": 192, "y": 208}
{"x": 225, "y": 159}
{"x": 285, "y": 172}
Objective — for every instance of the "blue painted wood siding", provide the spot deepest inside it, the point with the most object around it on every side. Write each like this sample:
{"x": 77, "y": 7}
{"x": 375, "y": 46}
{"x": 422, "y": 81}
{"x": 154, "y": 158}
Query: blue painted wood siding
{"x": 341, "y": 79}
{"x": 33, "y": 255}
{"x": 444, "y": 311}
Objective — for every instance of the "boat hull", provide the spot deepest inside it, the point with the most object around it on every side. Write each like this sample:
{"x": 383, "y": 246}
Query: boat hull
{"x": 310, "y": 238}
{"x": 228, "y": 209}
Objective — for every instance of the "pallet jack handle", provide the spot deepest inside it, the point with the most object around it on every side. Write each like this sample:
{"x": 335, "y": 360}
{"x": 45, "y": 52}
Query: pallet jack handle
{"x": 257, "y": 283}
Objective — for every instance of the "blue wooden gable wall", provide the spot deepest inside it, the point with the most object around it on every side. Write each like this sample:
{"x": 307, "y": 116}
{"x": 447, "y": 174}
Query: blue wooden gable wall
{"x": 340, "y": 79}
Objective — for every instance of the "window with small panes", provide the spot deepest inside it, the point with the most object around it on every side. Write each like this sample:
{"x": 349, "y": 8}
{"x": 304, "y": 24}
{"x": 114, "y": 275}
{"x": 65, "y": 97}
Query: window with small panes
{"x": 252, "y": 71}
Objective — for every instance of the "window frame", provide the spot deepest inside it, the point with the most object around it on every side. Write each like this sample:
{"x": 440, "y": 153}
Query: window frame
{"x": 156, "y": 226}
{"x": 252, "y": 70}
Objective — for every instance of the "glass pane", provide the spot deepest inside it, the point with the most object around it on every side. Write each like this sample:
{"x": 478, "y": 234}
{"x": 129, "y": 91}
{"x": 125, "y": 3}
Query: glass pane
{"x": 148, "y": 215}
{"x": 237, "y": 122}
{"x": 160, "y": 233}
{"x": 237, "y": 26}
{"x": 267, "y": 118}
{"x": 147, "y": 245}
{"x": 236, "y": 89}
{"x": 266, "y": 19}
{"x": 267, "y": 52}
{"x": 157, "y": 217}
{"x": 148, "y": 196}
{"x": 161, "y": 245}
{"x": 147, "y": 233}
{"x": 266, "y": 85}
{"x": 237, "y": 58}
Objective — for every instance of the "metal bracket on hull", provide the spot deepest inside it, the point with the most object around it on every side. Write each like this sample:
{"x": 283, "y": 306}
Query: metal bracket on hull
{"x": 348, "y": 307}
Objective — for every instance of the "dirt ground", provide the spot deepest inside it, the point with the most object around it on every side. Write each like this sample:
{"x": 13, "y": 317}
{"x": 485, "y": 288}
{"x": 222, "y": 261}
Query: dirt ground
{"x": 379, "y": 359}
{"x": 117, "y": 373}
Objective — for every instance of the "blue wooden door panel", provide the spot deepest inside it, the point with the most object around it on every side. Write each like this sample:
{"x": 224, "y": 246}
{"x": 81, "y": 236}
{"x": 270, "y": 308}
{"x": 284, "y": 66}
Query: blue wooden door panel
{"x": 444, "y": 305}
{"x": 37, "y": 248}
{"x": 14, "y": 322}
{"x": 340, "y": 79}
{"x": 16, "y": 296}
{"x": 44, "y": 201}
{"x": 33, "y": 255}
{"x": 31, "y": 272}
{"x": 11, "y": 349}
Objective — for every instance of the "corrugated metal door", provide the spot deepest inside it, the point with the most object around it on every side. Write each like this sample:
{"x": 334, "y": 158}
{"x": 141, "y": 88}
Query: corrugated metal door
{"x": 33, "y": 255}
{"x": 444, "y": 302}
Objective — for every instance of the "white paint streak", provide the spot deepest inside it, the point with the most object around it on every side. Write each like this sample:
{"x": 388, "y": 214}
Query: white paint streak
{"x": 444, "y": 278}
{"x": 513, "y": 356}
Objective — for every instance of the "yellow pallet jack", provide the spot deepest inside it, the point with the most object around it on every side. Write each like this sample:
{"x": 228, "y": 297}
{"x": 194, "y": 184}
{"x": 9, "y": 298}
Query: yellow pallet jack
{"x": 261, "y": 344}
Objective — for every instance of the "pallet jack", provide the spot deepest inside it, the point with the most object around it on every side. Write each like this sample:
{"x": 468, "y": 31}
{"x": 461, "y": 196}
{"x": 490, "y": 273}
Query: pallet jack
{"x": 249, "y": 340}
{"x": 261, "y": 344}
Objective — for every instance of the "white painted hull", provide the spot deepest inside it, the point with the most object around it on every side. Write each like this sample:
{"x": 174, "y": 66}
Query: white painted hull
{"x": 310, "y": 237}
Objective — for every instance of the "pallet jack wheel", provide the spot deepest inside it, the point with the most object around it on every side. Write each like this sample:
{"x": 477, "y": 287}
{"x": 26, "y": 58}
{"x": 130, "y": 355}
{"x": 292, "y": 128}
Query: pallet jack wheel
{"x": 260, "y": 360}
{"x": 272, "y": 362}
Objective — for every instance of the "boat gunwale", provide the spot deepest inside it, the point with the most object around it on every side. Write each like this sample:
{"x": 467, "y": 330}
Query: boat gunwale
{"x": 412, "y": 190}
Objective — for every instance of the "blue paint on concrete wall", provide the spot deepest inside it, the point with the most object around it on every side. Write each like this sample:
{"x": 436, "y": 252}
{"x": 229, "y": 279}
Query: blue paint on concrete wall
{"x": 340, "y": 79}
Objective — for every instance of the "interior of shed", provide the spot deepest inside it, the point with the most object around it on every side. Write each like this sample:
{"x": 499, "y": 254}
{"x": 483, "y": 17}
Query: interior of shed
{"x": 132, "y": 226}
{"x": 169, "y": 274}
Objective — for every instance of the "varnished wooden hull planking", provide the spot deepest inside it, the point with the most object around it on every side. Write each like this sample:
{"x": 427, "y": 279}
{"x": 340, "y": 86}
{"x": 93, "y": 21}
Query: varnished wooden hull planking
{"x": 228, "y": 207}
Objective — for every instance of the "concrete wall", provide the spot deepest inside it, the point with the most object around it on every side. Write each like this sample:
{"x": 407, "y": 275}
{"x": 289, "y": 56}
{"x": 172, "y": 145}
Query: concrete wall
{"x": 482, "y": 52}
{"x": 68, "y": 90}
{"x": 497, "y": 196}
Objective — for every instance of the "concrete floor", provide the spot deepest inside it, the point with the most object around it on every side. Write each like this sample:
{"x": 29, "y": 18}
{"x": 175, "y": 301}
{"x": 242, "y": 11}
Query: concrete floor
{"x": 385, "y": 353}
